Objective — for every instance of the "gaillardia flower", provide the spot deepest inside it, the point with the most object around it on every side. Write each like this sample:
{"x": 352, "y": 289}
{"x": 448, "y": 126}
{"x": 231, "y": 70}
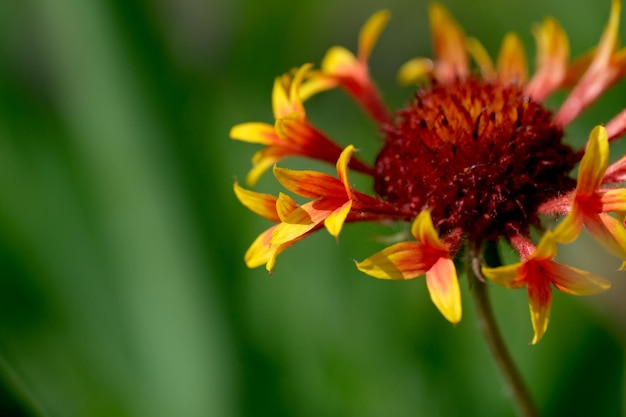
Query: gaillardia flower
{"x": 475, "y": 158}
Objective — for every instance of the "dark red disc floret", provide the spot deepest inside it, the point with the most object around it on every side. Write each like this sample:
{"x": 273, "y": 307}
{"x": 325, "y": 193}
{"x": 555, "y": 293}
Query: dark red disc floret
{"x": 481, "y": 155}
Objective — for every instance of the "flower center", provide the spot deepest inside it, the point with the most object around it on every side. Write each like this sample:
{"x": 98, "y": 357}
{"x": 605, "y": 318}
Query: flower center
{"x": 481, "y": 155}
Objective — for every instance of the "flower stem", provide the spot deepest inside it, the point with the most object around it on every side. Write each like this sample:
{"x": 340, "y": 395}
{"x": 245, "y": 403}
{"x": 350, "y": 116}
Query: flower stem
{"x": 487, "y": 323}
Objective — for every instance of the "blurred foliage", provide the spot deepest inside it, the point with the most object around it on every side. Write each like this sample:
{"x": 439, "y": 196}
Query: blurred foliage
{"x": 122, "y": 287}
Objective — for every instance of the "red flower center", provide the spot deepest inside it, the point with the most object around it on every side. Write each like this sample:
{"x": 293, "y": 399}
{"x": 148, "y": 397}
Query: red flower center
{"x": 481, "y": 155}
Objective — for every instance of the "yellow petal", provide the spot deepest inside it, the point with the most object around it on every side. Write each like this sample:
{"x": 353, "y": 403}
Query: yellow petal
{"x": 424, "y": 231}
{"x": 509, "y": 276}
{"x": 342, "y": 168}
{"x": 482, "y": 58}
{"x": 262, "y": 161}
{"x": 334, "y": 222}
{"x": 444, "y": 290}
{"x": 371, "y": 32}
{"x": 570, "y": 227}
{"x": 261, "y": 250}
{"x": 415, "y": 71}
{"x": 512, "y": 60}
{"x": 404, "y": 260}
{"x": 262, "y": 204}
{"x": 546, "y": 248}
{"x": 449, "y": 44}
{"x": 284, "y": 206}
{"x": 338, "y": 61}
{"x": 594, "y": 162}
{"x": 254, "y": 132}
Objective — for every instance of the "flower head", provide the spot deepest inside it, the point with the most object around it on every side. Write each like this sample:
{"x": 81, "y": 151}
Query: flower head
{"x": 475, "y": 157}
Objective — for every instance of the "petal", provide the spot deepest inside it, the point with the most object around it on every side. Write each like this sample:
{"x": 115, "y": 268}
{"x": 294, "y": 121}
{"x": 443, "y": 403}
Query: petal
{"x": 604, "y": 69}
{"x": 569, "y": 229}
{"x": 311, "y": 184}
{"x": 449, "y": 44}
{"x": 546, "y": 248}
{"x": 552, "y": 58}
{"x": 576, "y": 281}
{"x": 609, "y": 232}
{"x": 284, "y": 206}
{"x": 482, "y": 58}
{"x": 415, "y": 71}
{"x": 424, "y": 231}
{"x": 342, "y": 168}
{"x": 334, "y": 222}
{"x": 512, "y": 60}
{"x": 255, "y": 132}
{"x": 540, "y": 303}
{"x": 443, "y": 286}
{"x": 594, "y": 163}
{"x": 263, "y": 160}
{"x": 285, "y": 95}
{"x": 614, "y": 200}
{"x": 404, "y": 260}
{"x": 370, "y": 32}
{"x": 616, "y": 172}
{"x": 317, "y": 83}
{"x": 339, "y": 61}
{"x": 262, "y": 204}
{"x": 303, "y": 220}
{"x": 509, "y": 276}
{"x": 261, "y": 250}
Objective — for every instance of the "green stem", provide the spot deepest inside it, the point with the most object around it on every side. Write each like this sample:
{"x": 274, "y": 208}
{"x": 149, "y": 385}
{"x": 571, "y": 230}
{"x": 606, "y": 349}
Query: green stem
{"x": 487, "y": 323}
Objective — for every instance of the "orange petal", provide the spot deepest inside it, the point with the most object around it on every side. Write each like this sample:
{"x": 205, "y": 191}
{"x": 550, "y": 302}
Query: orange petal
{"x": 262, "y": 204}
{"x": 614, "y": 200}
{"x": 311, "y": 184}
{"x": 404, "y": 260}
{"x": 512, "y": 60}
{"x": 443, "y": 286}
{"x": 604, "y": 69}
{"x": 255, "y": 132}
{"x": 575, "y": 281}
{"x": 262, "y": 160}
{"x": 609, "y": 232}
{"x": 552, "y": 58}
{"x": 594, "y": 162}
{"x": 449, "y": 44}
{"x": 334, "y": 222}
{"x": 304, "y": 219}
{"x": 540, "y": 303}
{"x": 370, "y": 32}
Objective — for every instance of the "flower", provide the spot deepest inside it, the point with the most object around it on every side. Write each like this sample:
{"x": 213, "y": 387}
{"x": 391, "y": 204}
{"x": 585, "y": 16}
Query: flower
{"x": 539, "y": 272}
{"x": 473, "y": 159}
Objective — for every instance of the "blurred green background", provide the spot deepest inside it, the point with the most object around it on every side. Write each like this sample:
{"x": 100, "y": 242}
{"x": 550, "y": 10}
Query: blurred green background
{"x": 123, "y": 290}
